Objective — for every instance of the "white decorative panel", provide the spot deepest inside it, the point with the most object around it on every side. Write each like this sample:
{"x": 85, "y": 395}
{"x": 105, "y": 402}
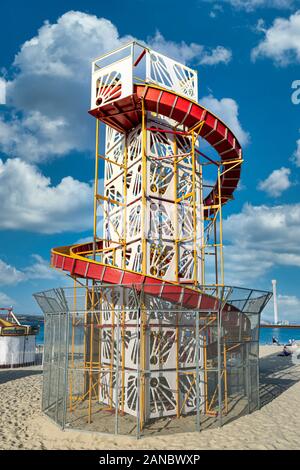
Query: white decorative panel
{"x": 134, "y": 257}
{"x": 161, "y": 259}
{"x": 172, "y": 75}
{"x": 161, "y": 396}
{"x": 134, "y": 182}
{"x": 112, "y": 83}
{"x": 134, "y": 145}
{"x": 134, "y": 221}
{"x": 113, "y": 224}
{"x": 160, "y": 178}
{"x": 161, "y": 220}
{"x": 114, "y": 151}
{"x": 186, "y": 260}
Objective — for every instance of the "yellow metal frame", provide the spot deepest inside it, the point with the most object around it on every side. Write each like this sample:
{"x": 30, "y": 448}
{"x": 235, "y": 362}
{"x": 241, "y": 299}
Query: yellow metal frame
{"x": 209, "y": 246}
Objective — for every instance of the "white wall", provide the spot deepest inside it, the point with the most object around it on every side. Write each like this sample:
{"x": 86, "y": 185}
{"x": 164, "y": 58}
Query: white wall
{"x": 17, "y": 350}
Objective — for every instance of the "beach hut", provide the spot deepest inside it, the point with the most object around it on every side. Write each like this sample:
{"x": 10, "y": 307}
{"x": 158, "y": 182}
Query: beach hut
{"x": 17, "y": 342}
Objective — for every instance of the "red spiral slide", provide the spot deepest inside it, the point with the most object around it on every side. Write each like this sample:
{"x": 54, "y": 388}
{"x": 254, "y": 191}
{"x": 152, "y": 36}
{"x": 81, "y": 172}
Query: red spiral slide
{"x": 123, "y": 115}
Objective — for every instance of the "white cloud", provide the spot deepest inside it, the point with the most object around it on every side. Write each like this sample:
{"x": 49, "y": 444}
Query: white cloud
{"x": 34, "y": 137}
{"x": 29, "y": 202}
{"x": 281, "y": 41}
{"x": 267, "y": 227}
{"x": 259, "y": 239}
{"x": 296, "y": 154}
{"x": 9, "y": 274}
{"x": 192, "y": 53}
{"x": 6, "y": 301}
{"x": 228, "y": 110}
{"x": 218, "y": 55}
{"x": 251, "y": 5}
{"x": 40, "y": 269}
{"x": 277, "y": 182}
{"x": 51, "y": 84}
{"x": 242, "y": 268}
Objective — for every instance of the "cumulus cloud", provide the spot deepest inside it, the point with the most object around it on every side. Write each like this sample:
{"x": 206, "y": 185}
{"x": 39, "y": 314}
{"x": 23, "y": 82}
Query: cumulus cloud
{"x": 9, "y": 274}
{"x": 258, "y": 239}
{"x": 240, "y": 268}
{"x": 281, "y": 41}
{"x": 228, "y": 110}
{"x": 30, "y": 202}
{"x": 50, "y": 90}
{"x": 277, "y": 182}
{"x": 251, "y": 5}
{"x": 189, "y": 53}
{"x": 34, "y": 137}
{"x": 218, "y": 55}
{"x": 6, "y": 301}
{"x": 38, "y": 269}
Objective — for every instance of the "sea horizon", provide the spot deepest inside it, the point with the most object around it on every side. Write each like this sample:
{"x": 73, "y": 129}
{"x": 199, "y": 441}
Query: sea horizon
{"x": 283, "y": 335}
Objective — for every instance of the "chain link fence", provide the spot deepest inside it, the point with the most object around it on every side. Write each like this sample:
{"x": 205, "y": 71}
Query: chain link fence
{"x": 120, "y": 360}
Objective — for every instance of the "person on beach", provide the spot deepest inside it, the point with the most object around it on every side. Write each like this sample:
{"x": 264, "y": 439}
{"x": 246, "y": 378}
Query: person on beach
{"x": 285, "y": 352}
{"x": 275, "y": 340}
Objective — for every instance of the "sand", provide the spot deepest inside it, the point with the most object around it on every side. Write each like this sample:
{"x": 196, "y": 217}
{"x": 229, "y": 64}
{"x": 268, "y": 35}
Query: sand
{"x": 275, "y": 426}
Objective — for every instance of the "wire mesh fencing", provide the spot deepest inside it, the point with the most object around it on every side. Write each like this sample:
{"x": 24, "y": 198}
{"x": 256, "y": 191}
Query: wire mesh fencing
{"x": 121, "y": 360}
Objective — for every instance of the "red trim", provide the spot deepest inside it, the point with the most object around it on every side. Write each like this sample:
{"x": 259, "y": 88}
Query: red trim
{"x": 113, "y": 275}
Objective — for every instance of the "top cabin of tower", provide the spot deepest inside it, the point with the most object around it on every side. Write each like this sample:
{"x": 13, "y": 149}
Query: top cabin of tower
{"x": 115, "y": 73}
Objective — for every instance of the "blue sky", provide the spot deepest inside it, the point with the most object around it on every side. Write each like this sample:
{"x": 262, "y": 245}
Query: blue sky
{"x": 247, "y": 54}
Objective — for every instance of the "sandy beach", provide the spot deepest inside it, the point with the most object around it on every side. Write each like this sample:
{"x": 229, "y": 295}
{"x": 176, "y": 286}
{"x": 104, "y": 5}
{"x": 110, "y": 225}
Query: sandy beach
{"x": 275, "y": 426}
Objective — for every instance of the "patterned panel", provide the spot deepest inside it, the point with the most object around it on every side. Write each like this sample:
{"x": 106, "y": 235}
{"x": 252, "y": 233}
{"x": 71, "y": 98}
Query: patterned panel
{"x": 112, "y": 83}
{"x": 160, "y": 392}
{"x": 162, "y": 347}
{"x": 172, "y": 75}
{"x": 161, "y": 224}
{"x": 161, "y": 259}
{"x": 160, "y": 178}
{"x": 160, "y": 144}
{"x": 134, "y": 145}
{"x": 186, "y": 261}
{"x": 185, "y": 223}
{"x": 134, "y": 256}
{"x": 113, "y": 225}
{"x": 134, "y": 218}
{"x": 134, "y": 182}
{"x": 114, "y": 150}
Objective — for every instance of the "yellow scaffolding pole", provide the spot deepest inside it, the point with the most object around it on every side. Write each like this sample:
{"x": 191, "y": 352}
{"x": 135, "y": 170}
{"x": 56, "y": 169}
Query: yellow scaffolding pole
{"x": 73, "y": 342}
{"x": 91, "y": 326}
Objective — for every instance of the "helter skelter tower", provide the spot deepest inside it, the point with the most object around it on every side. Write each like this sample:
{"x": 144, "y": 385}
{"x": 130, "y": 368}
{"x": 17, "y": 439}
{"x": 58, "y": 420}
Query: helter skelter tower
{"x": 156, "y": 207}
{"x": 154, "y": 218}
{"x": 150, "y": 341}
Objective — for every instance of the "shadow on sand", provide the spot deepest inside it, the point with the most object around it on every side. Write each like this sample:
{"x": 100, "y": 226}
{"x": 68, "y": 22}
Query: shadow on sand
{"x": 6, "y": 375}
{"x": 277, "y": 374}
